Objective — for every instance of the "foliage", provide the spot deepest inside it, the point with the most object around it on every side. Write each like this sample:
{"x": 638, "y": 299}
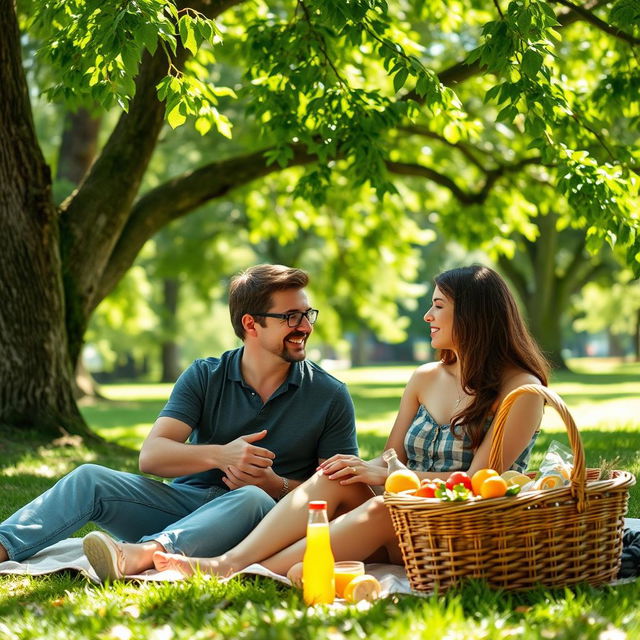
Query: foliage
{"x": 331, "y": 76}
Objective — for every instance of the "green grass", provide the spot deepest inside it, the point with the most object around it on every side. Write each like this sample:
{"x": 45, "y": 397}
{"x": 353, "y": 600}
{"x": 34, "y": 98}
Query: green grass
{"x": 602, "y": 396}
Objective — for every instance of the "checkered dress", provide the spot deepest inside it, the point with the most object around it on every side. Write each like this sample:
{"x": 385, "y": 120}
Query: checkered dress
{"x": 432, "y": 447}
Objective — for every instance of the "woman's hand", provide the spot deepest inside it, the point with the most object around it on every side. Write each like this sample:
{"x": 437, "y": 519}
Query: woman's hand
{"x": 351, "y": 469}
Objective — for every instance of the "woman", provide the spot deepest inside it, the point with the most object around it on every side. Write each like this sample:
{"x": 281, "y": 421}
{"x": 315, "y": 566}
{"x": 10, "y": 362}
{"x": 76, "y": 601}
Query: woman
{"x": 443, "y": 425}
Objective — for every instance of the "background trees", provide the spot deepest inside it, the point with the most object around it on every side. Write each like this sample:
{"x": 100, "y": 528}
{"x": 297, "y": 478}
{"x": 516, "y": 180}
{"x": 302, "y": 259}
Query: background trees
{"x": 490, "y": 123}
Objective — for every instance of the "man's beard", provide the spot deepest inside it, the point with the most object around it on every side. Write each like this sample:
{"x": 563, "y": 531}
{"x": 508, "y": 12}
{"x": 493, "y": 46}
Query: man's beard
{"x": 287, "y": 356}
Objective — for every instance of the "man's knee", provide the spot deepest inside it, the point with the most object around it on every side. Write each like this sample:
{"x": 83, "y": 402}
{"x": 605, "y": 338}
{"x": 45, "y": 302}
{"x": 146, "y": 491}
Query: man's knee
{"x": 91, "y": 475}
{"x": 88, "y": 472}
{"x": 253, "y": 498}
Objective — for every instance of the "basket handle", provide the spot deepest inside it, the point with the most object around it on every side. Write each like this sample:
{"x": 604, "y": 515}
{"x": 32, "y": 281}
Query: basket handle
{"x": 578, "y": 474}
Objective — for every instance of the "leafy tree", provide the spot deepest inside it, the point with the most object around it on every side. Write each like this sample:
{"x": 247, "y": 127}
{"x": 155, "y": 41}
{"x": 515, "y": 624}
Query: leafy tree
{"x": 614, "y": 308}
{"x": 363, "y": 95}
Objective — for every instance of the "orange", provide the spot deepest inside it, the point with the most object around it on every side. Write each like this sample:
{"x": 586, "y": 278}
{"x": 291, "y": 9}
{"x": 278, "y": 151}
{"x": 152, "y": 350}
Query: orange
{"x": 364, "y": 587}
{"x": 493, "y": 487}
{"x": 401, "y": 480}
{"x": 479, "y": 477}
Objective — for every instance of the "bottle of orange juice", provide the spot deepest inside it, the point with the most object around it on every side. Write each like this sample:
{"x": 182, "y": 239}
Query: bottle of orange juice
{"x": 318, "y": 582}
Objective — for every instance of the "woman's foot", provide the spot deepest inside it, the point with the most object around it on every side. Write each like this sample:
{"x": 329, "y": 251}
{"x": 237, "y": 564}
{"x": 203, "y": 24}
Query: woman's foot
{"x": 188, "y": 566}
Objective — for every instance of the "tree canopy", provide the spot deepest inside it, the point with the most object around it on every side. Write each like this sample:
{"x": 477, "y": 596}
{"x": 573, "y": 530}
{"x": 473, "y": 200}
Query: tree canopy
{"x": 474, "y": 117}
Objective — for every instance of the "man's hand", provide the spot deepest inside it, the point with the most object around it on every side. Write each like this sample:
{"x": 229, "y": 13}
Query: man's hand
{"x": 244, "y": 456}
{"x": 265, "y": 478}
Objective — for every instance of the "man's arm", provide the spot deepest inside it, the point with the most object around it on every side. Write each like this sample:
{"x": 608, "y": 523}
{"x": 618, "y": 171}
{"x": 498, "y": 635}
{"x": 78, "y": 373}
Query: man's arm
{"x": 165, "y": 452}
{"x": 266, "y": 478}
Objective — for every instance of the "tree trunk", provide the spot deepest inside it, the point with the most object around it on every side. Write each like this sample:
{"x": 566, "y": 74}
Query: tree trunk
{"x": 78, "y": 146}
{"x": 533, "y": 275}
{"x": 78, "y": 149}
{"x": 616, "y": 350}
{"x": 170, "y": 349}
{"x": 548, "y": 333}
{"x": 360, "y": 348}
{"x": 36, "y": 388}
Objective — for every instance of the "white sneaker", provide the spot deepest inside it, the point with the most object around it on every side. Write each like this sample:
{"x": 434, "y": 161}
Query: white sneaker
{"x": 105, "y": 556}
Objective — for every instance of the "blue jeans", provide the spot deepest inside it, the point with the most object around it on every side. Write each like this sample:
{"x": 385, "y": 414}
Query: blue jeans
{"x": 132, "y": 508}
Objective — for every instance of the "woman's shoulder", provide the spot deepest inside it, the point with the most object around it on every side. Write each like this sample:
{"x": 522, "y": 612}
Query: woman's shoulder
{"x": 426, "y": 376}
{"x": 515, "y": 377}
{"x": 512, "y": 379}
{"x": 429, "y": 370}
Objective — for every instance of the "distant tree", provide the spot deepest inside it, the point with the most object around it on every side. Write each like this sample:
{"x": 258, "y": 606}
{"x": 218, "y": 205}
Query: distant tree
{"x": 614, "y": 308}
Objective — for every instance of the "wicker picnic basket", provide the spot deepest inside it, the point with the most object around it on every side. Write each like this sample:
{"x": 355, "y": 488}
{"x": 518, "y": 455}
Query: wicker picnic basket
{"x": 546, "y": 538}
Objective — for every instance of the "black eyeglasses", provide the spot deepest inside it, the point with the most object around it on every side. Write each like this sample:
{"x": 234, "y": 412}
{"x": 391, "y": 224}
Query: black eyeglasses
{"x": 293, "y": 318}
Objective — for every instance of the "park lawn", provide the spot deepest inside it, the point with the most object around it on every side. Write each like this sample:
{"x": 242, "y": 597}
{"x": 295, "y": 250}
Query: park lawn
{"x": 604, "y": 401}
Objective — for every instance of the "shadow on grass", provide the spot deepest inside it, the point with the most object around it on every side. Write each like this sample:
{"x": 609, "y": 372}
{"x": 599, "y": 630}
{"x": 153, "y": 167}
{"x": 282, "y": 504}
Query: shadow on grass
{"x": 43, "y": 589}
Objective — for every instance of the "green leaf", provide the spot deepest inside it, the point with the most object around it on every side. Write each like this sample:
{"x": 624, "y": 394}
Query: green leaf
{"x": 492, "y": 93}
{"x": 223, "y": 124}
{"x": 399, "y": 79}
{"x": 507, "y": 114}
{"x": 175, "y": 117}
{"x": 531, "y": 62}
{"x": 203, "y": 125}
{"x": 188, "y": 34}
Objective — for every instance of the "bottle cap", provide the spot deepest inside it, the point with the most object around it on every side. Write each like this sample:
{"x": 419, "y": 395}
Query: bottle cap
{"x": 317, "y": 505}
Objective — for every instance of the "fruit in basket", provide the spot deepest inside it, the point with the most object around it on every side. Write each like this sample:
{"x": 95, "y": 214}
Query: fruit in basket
{"x": 459, "y": 477}
{"x": 479, "y": 477}
{"x": 428, "y": 488}
{"x": 494, "y": 487}
{"x": 364, "y": 587}
{"x": 401, "y": 480}
{"x": 515, "y": 477}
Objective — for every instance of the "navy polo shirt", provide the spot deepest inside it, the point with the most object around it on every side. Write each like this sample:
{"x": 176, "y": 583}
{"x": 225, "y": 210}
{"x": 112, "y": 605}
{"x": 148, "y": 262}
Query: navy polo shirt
{"x": 309, "y": 416}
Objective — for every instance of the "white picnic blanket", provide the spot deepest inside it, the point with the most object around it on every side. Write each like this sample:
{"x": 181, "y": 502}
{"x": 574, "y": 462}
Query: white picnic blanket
{"x": 67, "y": 554}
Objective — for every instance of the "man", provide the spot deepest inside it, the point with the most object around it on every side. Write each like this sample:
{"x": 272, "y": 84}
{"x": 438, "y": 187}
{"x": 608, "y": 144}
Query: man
{"x": 238, "y": 433}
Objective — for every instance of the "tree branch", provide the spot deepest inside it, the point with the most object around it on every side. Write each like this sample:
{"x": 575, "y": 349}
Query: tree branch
{"x": 93, "y": 217}
{"x": 591, "y": 18}
{"x": 178, "y": 197}
{"x": 464, "y": 149}
{"x": 464, "y": 197}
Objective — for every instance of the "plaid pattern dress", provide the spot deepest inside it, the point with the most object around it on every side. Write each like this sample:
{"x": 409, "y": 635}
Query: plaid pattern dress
{"x": 432, "y": 447}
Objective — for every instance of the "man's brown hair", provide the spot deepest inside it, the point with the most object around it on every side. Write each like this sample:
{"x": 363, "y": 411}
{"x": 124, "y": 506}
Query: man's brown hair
{"x": 250, "y": 291}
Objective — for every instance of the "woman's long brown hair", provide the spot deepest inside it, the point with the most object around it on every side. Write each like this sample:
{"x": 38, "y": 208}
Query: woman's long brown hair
{"x": 490, "y": 335}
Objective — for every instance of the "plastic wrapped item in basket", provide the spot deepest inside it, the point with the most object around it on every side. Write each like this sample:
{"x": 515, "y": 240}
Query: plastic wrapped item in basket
{"x": 549, "y": 538}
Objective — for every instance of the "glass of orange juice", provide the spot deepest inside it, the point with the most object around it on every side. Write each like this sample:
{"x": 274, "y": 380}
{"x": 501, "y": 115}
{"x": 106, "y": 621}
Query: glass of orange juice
{"x": 344, "y": 572}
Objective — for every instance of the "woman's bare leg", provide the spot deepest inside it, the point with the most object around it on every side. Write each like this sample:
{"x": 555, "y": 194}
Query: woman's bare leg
{"x": 355, "y": 535}
{"x": 282, "y": 526}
